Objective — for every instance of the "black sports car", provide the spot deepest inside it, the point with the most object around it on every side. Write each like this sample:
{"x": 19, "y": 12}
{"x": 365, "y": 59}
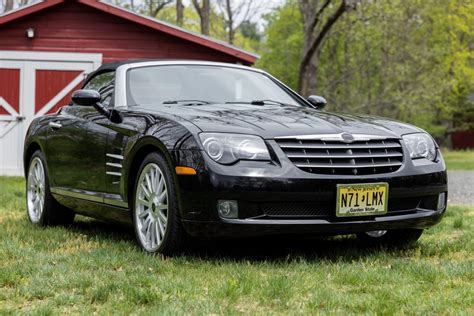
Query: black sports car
{"x": 186, "y": 149}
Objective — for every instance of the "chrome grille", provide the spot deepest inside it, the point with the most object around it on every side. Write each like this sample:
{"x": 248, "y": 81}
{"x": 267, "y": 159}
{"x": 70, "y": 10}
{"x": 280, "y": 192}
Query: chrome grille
{"x": 339, "y": 158}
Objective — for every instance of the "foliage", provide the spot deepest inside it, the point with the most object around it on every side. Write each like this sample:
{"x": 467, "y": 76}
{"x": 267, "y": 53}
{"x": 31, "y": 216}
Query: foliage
{"x": 96, "y": 268}
{"x": 408, "y": 60}
{"x": 411, "y": 61}
{"x": 282, "y": 50}
{"x": 461, "y": 61}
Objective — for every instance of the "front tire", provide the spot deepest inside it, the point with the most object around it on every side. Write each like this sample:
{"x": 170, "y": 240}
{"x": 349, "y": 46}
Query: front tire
{"x": 42, "y": 208}
{"x": 401, "y": 238}
{"x": 156, "y": 220}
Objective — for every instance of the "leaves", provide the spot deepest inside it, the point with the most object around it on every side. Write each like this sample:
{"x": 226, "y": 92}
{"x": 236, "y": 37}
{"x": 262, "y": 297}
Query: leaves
{"x": 411, "y": 61}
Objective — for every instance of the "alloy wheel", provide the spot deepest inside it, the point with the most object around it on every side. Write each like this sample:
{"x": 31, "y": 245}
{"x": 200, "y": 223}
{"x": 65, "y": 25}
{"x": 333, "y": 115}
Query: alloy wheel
{"x": 151, "y": 207}
{"x": 36, "y": 190}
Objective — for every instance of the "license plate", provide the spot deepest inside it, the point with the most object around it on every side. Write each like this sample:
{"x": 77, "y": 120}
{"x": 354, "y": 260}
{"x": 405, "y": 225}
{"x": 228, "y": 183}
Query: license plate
{"x": 361, "y": 199}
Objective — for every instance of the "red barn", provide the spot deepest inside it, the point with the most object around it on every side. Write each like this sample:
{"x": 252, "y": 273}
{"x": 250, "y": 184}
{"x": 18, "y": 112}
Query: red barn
{"x": 46, "y": 48}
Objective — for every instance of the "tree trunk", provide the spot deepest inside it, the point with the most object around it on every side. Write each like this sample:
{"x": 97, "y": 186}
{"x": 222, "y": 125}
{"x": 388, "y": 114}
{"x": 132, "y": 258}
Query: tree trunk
{"x": 307, "y": 78}
{"x": 179, "y": 12}
{"x": 230, "y": 22}
{"x": 231, "y": 36}
{"x": 205, "y": 17}
{"x": 8, "y": 5}
{"x": 204, "y": 12}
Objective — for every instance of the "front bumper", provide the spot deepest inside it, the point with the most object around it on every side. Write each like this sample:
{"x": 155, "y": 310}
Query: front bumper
{"x": 418, "y": 219}
{"x": 281, "y": 199}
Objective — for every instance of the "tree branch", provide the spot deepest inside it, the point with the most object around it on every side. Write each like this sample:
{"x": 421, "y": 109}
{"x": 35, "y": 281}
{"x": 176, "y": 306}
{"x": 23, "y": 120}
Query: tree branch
{"x": 198, "y": 8}
{"x": 160, "y": 6}
{"x": 316, "y": 43}
{"x": 317, "y": 16}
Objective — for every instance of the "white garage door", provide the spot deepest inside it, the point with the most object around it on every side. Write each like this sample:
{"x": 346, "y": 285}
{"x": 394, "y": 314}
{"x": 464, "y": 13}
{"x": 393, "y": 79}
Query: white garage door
{"x": 34, "y": 84}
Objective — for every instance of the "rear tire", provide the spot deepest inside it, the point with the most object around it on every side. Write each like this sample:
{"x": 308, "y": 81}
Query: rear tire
{"x": 42, "y": 209}
{"x": 402, "y": 238}
{"x": 158, "y": 228}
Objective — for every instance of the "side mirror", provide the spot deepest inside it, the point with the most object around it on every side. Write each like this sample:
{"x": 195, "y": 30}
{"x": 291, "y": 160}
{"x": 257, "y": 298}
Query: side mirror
{"x": 86, "y": 97}
{"x": 92, "y": 98}
{"x": 317, "y": 101}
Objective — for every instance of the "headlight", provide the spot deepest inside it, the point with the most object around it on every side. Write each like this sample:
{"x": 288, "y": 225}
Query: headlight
{"x": 229, "y": 148}
{"x": 420, "y": 145}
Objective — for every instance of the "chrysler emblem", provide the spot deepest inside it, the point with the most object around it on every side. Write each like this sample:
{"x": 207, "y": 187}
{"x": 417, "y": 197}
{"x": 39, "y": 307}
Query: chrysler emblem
{"x": 347, "y": 138}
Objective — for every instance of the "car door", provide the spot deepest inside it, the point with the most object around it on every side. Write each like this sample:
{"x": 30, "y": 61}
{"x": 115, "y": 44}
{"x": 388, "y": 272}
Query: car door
{"x": 77, "y": 140}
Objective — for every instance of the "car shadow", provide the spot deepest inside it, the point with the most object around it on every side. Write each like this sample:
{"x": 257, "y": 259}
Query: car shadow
{"x": 102, "y": 229}
{"x": 256, "y": 249}
{"x": 287, "y": 248}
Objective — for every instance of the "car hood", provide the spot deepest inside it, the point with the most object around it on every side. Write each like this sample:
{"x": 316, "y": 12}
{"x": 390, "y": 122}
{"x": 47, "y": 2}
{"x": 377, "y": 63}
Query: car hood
{"x": 271, "y": 121}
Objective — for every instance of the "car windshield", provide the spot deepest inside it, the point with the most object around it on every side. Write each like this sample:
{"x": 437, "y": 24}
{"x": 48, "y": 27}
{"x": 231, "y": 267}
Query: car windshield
{"x": 190, "y": 84}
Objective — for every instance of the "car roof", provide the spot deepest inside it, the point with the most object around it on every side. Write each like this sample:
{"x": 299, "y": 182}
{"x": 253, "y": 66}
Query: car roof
{"x": 114, "y": 65}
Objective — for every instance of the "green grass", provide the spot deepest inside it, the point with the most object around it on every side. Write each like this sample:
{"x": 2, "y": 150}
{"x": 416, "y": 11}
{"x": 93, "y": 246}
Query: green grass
{"x": 94, "y": 267}
{"x": 459, "y": 160}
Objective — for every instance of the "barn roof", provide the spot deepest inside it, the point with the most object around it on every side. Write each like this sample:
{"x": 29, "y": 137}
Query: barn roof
{"x": 140, "y": 19}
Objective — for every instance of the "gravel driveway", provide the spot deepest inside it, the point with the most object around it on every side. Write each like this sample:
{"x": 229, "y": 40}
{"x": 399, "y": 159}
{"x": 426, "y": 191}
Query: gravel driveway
{"x": 461, "y": 187}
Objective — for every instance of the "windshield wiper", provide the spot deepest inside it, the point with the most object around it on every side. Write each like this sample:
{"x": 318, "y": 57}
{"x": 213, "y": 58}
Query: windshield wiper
{"x": 187, "y": 102}
{"x": 257, "y": 102}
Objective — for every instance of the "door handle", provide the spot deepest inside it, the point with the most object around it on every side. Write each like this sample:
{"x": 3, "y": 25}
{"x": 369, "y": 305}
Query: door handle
{"x": 20, "y": 118}
{"x": 55, "y": 125}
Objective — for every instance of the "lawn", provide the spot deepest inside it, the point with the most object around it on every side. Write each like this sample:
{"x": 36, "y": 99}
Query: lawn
{"x": 94, "y": 267}
{"x": 459, "y": 160}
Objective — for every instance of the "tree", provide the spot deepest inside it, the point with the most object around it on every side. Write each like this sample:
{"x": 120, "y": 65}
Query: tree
{"x": 282, "y": 48}
{"x": 410, "y": 61}
{"x": 153, "y": 7}
{"x": 235, "y": 13}
{"x": 203, "y": 8}
{"x": 250, "y": 30}
{"x": 316, "y": 28}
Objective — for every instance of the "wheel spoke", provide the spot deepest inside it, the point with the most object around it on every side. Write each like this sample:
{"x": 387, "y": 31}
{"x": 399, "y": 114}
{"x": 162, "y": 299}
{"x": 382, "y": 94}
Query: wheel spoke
{"x": 35, "y": 170}
{"x": 162, "y": 217}
{"x": 143, "y": 202}
{"x": 152, "y": 235}
{"x": 160, "y": 187}
{"x": 148, "y": 232}
{"x": 161, "y": 227}
{"x": 157, "y": 233}
{"x": 156, "y": 179}
{"x": 162, "y": 197}
{"x": 153, "y": 179}
{"x": 35, "y": 203}
{"x": 145, "y": 224}
{"x": 143, "y": 214}
{"x": 145, "y": 191}
{"x": 148, "y": 183}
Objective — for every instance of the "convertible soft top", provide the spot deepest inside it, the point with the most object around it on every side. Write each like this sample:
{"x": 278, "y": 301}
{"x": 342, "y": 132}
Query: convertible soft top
{"x": 113, "y": 66}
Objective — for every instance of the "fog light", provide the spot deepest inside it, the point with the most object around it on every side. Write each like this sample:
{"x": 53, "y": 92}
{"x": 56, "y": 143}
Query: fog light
{"x": 441, "y": 201}
{"x": 228, "y": 209}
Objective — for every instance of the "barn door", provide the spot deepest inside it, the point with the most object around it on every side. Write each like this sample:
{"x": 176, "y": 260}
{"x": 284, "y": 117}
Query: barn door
{"x": 31, "y": 85}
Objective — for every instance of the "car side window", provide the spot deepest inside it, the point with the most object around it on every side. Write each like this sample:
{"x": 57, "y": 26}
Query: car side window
{"x": 103, "y": 83}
